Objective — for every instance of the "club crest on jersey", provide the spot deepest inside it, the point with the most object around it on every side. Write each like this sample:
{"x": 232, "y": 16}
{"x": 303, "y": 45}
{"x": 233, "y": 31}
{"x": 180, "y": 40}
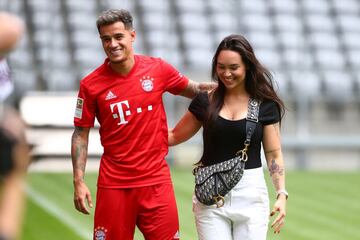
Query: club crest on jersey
{"x": 147, "y": 83}
{"x": 100, "y": 233}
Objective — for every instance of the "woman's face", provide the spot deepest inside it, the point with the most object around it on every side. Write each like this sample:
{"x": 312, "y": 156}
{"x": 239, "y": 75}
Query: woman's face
{"x": 230, "y": 69}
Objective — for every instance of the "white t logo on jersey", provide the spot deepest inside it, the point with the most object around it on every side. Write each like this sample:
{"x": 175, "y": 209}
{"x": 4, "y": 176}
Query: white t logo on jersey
{"x": 121, "y": 111}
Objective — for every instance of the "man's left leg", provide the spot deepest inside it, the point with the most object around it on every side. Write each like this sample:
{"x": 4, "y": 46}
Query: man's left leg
{"x": 158, "y": 216}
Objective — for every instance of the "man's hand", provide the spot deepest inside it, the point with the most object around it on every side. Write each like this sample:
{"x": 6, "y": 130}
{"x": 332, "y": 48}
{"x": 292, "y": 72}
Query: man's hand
{"x": 81, "y": 197}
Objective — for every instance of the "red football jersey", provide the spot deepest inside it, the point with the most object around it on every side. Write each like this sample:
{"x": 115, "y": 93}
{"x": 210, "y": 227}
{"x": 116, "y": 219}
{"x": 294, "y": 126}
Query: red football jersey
{"x": 133, "y": 126}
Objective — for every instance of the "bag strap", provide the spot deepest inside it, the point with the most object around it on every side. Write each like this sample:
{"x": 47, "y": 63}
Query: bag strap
{"x": 252, "y": 119}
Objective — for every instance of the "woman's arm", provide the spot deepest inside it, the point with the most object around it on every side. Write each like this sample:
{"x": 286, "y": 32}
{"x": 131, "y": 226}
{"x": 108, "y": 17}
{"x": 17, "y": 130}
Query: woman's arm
{"x": 184, "y": 129}
{"x": 275, "y": 162}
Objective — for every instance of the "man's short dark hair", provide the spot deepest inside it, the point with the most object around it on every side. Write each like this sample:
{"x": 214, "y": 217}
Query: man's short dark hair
{"x": 115, "y": 15}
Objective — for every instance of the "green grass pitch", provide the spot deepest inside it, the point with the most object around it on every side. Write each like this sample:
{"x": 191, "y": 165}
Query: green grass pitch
{"x": 321, "y": 206}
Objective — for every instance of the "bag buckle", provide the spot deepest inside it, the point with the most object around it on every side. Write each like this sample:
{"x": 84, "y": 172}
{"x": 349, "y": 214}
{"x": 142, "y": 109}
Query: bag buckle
{"x": 243, "y": 153}
{"x": 219, "y": 201}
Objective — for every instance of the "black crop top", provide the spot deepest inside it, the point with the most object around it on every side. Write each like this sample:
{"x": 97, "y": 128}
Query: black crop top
{"x": 227, "y": 136}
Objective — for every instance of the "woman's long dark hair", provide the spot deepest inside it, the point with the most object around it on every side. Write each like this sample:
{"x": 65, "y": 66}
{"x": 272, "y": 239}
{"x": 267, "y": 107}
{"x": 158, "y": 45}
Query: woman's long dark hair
{"x": 258, "y": 82}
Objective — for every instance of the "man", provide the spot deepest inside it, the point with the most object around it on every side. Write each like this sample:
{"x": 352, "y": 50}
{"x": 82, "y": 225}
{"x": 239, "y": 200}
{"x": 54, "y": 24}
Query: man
{"x": 14, "y": 151}
{"x": 125, "y": 95}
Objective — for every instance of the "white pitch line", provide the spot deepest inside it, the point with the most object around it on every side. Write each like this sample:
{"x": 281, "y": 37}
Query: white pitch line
{"x": 58, "y": 213}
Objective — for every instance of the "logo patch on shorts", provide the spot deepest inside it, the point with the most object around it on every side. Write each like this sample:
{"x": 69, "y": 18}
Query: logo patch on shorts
{"x": 177, "y": 235}
{"x": 79, "y": 107}
{"x": 100, "y": 233}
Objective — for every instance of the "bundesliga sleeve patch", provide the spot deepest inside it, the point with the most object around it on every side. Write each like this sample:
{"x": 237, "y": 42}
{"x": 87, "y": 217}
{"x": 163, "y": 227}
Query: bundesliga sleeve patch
{"x": 79, "y": 108}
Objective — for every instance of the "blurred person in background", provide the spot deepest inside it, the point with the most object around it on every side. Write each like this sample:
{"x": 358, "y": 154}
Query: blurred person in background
{"x": 222, "y": 114}
{"x": 14, "y": 151}
{"x": 125, "y": 95}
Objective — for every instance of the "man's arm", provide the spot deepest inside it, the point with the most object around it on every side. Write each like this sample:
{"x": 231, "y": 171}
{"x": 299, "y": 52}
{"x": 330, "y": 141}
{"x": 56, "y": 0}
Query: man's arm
{"x": 184, "y": 129}
{"x": 79, "y": 149}
{"x": 194, "y": 88}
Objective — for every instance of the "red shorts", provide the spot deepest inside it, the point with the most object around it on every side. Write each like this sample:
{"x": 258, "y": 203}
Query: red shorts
{"x": 153, "y": 209}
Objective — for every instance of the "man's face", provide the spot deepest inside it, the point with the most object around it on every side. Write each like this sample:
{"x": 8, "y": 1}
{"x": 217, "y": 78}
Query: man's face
{"x": 117, "y": 42}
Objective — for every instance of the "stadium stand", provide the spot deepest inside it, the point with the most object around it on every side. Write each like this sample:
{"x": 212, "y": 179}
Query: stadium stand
{"x": 313, "y": 48}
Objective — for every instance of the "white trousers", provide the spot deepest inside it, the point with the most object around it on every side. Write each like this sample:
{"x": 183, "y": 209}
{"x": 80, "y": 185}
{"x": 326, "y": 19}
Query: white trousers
{"x": 244, "y": 216}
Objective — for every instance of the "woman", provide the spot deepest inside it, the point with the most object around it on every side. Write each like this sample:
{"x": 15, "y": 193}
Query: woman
{"x": 222, "y": 114}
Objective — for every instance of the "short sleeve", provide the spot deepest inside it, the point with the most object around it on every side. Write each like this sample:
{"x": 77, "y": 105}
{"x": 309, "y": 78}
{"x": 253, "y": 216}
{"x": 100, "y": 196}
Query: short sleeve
{"x": 85, "y": 109}
{"x": 175, "y": 82}
{"x": 199, "y": 106}
{"x": 269, "y": 113}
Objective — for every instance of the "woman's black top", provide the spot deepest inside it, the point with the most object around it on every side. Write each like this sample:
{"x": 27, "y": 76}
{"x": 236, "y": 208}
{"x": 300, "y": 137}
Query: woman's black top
{"x": 226, "y": 137}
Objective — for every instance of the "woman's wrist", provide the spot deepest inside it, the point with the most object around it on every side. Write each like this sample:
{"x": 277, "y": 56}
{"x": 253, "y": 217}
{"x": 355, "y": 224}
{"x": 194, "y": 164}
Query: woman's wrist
{"x": 282, "y": 193}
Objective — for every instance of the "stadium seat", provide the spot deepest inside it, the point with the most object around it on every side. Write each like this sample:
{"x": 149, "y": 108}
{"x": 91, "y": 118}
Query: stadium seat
{"x": 162, "y": 39}
{"x": 25, "y": 80}
{"x": 297, "y": 59}
{"x": 330, "y": 59}
{"x": 351, "y": 40}
{"x": 324, "y": 40}
{"x": 254, "y": 6}
{"x": 285, "y": 6}
{"x": 155, "y": 21}
{"x": 262, "y": 39}
{"x": 346, "y": 6}
{"x": 187, "y": 21}
{"x": 187, "y": 6}
{"x": 282, "y": 84}
{"x": 306, "y": 84}
{"x": 256, "y": 22}
{"x": 318, "y": 6}
{"x": 223, "y": 21}
{"x": 338, "y": 86}
{"x": 158, "y": 6}
{"x": 354, "y": 59}
{"x": 269, "y": 58}
{"x": 288, "y": 22}
{"x": 319, "y": 22}
{"x": 197, "y": 39}
{"x": 221, "y": 7}
{"x": 61, "y": 79}
{"x": 81, "y": 6}
{"x": 199, "y": 58}
{"x": 291, "y": 40}
{"x": 348, "y": 22}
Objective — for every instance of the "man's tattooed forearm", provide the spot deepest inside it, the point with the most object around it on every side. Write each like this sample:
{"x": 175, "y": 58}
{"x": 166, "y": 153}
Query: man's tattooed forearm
{"x": 275, "y": 168}
{"x": 79, "y": 149}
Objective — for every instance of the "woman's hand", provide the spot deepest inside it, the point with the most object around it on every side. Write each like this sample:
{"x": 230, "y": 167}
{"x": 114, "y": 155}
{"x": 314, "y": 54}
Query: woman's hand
{"x": 279, "y": 206}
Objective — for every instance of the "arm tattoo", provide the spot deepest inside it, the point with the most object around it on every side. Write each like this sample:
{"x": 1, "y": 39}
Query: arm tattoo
{"x": 191, "y": 90}
{"x": 194, "y": 88}
{"x": 275, "y": 168}
{"x": 79, "y": 149}
{"x": 206, "y": 86}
